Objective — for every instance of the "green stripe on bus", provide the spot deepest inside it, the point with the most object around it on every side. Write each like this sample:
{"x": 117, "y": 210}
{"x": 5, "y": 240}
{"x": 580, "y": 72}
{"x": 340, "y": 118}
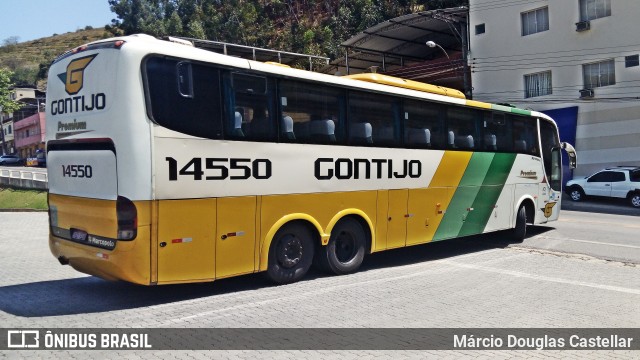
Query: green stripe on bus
{"x": 521, "y": 111}
{"x": 487, "y": 197}
{"x": 464, "y": 196}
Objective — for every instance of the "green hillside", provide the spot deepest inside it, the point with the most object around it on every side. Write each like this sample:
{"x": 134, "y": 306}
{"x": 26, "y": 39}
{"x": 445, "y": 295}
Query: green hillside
{"x": 29, "y": 58}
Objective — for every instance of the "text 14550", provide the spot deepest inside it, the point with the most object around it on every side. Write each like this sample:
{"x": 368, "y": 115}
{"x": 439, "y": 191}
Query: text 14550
{"x": 77, "y": 171}
{"x": 221, "y": 168}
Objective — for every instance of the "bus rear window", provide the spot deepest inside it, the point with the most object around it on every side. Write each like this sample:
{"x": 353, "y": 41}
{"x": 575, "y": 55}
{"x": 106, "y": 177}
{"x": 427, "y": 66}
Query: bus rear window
{"x": 184, "y": 96}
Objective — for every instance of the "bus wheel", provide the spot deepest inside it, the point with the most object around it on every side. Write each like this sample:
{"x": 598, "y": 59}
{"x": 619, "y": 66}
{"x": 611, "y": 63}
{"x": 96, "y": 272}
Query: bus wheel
{"x": 345, "y": 252}
{"x": 520, "y": 231}
{"x": 290, "y": 254}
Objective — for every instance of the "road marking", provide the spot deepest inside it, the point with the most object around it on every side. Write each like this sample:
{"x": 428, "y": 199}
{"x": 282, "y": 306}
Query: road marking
{"x": 598, "y": 243}
{"x": 594, "y": 222}
{"x": 544, "y": 278}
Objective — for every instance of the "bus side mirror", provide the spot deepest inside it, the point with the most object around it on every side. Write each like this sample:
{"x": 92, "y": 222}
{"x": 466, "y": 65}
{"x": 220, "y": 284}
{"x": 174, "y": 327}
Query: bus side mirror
{"x": 571, "y": 152}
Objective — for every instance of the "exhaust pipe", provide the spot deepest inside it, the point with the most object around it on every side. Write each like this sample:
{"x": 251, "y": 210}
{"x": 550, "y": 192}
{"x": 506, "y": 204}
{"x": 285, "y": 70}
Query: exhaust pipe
{"x": 63, "y": 260}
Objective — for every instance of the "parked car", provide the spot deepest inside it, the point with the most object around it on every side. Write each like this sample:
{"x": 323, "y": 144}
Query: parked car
{"x": 42, "y": 158}
{"x": 621, "y": 182}
{"x": 11, "y": 160}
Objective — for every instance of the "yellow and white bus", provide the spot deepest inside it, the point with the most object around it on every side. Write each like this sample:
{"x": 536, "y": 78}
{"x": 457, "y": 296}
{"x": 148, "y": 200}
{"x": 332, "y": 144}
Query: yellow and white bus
{"x": 173, "y": 164}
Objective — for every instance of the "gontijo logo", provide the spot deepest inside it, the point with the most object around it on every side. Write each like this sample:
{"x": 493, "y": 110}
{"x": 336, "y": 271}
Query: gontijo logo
{"x": 73, "y": 80}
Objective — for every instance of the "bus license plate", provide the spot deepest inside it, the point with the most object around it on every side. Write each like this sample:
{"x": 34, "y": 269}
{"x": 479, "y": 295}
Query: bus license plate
{"x": 78, "y": 235}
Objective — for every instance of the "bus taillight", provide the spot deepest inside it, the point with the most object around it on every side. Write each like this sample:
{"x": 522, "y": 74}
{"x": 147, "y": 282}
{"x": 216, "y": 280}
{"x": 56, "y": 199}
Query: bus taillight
{"x": 127, "y": 215}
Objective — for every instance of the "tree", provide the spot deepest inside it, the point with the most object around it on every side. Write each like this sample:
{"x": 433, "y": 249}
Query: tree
{"x": 313, "y": 27}
{"x": 7, "y": 105}
{"x": 10, "y": 41}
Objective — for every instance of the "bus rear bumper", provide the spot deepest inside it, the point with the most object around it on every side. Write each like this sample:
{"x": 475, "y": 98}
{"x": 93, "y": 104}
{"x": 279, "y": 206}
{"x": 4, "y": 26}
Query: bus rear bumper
{"x": 129, "y": 261}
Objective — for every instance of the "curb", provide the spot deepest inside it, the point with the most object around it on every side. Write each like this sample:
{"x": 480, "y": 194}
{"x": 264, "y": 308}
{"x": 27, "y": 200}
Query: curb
{"x": 23, "y": 210}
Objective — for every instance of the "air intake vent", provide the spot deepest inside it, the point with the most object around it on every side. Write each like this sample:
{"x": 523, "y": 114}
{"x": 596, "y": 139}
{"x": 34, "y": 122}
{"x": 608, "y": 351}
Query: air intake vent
{"x": 583, "y": 26}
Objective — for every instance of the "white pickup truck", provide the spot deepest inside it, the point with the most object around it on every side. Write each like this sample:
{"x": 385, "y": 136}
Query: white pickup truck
{"x": 617, "y": 182}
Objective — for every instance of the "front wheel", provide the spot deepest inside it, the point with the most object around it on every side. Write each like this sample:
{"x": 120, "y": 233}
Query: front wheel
{"x": 290, "y": 253}
{"x": 346, "y": 248}
{"x": 520, "y": 231}
{"x": 634, "y": 200}
{"x": 576, "y": 194}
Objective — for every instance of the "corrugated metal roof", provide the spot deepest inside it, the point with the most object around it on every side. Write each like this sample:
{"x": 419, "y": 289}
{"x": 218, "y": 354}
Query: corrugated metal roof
{"x": 401, "y": 42}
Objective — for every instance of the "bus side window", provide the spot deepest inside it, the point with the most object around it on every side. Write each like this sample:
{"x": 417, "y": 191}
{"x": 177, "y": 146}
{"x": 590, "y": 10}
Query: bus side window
{"x": 373, "y": 119}
{"x": 309, "y": 113}
{"x": 525, "y": 135}
{"x": 423, "y": 125}
{"x": 184, "y": 96}
{"x": 497, "y": 133}
{"x": 251, "y": 100}
{"x": 462, "y": 124}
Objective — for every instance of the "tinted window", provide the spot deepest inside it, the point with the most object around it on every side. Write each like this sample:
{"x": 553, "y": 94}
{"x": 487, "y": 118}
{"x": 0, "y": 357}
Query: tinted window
{"x": 184, "y": 96}
{"x": 525, "y": 135}
{"x": 497, "y": 133}
{"x": 373, "y": 120}
{"x": 603, "y": 176}
{"x": 617, "y": 176}
{"x": 463, "y": 128}
{"x": 424, "y": 125}
{"x": 252, "y": 116}
{"x": 634, "y": 175}
{"x": 311, "y": 113}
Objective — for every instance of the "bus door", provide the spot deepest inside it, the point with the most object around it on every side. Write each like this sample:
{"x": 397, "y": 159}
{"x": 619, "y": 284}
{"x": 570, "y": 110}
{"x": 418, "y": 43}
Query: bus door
{"x": 186, "y": 243}
{"x": 397, "y": 218}
{"x": 236, "y": 236}
{"x": 206, "y": 239}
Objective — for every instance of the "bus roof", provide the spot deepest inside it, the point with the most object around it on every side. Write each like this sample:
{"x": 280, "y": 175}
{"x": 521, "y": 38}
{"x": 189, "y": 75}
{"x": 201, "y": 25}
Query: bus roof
{"x": 373, "y": 81}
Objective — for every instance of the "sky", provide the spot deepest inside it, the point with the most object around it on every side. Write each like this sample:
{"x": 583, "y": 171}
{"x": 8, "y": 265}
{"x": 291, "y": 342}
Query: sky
{"x": 34, "y": 19}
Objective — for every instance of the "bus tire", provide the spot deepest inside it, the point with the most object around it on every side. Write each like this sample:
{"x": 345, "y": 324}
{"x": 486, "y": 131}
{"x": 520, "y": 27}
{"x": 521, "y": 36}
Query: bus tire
{"x": 346, "y": 248}
{"x": 520, "y": 231}
{"x": 290, "y": 253}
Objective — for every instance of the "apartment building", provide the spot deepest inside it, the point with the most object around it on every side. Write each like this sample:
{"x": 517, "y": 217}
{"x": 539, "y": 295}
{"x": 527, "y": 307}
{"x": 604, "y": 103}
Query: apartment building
{"x": 576, "y": 60}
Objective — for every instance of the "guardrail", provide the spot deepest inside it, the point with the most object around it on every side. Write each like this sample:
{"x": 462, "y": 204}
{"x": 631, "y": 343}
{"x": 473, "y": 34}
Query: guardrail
{"x": 24, "y": 178}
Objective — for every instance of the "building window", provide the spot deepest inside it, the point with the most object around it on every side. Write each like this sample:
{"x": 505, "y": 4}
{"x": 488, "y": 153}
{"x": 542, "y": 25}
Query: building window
{"x": 599, "y": 74}
{"x": 480, "y": 29}
{"x": 594, "y": 9}
{"x": 535, "y": 21}
{"x": 631, "y": 61}
{"x": 537, "y": 84}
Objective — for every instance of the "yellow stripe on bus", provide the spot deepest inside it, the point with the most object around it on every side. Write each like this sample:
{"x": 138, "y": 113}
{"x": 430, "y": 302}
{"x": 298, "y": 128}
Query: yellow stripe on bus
{"x": 451, "y": 168}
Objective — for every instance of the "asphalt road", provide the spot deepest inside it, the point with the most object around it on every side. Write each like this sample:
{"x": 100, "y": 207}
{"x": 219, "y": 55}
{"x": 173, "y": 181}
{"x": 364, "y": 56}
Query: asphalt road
{"x": 579, "y": 272}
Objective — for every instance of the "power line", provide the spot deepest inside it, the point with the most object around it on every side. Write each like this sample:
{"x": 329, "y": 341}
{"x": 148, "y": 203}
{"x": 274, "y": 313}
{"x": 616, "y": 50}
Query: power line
{"x": 555, "y": 52}
{"x": 491, "y": 62}
{"x": 561, "y": 89}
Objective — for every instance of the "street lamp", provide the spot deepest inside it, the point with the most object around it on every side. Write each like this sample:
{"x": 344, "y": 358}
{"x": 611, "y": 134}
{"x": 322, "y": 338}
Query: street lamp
{"x": 432, "y": 44}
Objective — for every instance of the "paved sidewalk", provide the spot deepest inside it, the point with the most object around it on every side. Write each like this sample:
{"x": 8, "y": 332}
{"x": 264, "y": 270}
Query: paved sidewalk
{"x": 462, "y": 284}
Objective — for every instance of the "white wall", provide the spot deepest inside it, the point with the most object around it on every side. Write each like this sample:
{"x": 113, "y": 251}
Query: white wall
{"x": 608, "y": 131}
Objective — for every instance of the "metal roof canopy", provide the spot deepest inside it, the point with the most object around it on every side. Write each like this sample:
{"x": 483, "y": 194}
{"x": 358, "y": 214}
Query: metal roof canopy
{"x": 401, "y": 41}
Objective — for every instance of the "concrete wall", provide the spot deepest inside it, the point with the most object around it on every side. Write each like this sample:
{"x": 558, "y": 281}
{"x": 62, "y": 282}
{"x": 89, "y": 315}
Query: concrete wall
{"x": 24, "y": 179}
